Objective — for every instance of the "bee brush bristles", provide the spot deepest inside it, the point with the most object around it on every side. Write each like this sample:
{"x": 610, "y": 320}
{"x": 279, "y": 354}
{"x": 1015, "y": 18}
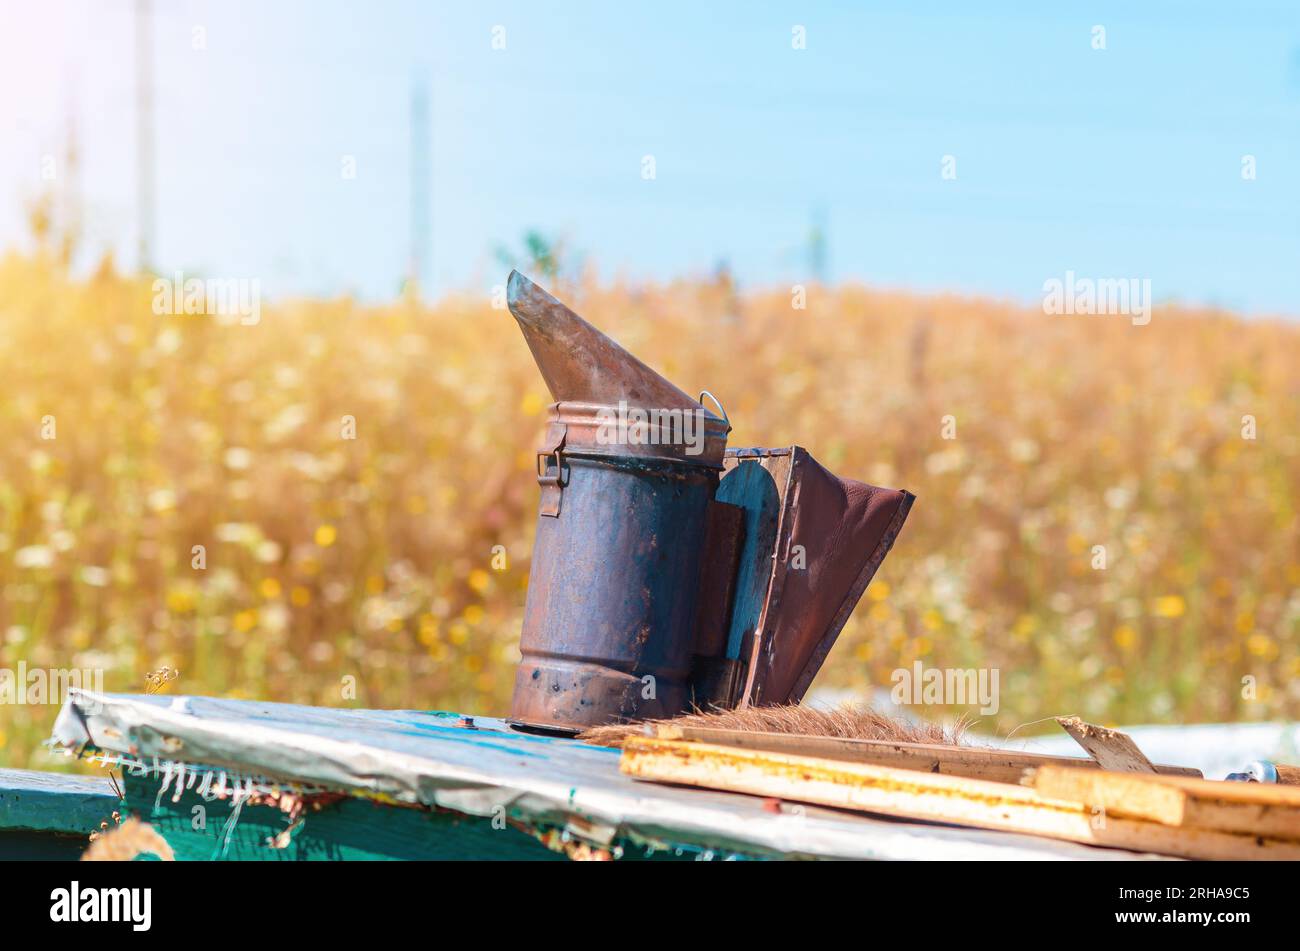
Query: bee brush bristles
{"x": 845, "y": 722}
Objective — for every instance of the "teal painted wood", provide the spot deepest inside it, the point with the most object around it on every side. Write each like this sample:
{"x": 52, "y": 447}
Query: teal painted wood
{"x": 350, "y": 829}
{"x": 53, "y": 802}
{"x": 751, "y": 487}
{"x": 438, "y": 760}
{"x": 354, "y": 829}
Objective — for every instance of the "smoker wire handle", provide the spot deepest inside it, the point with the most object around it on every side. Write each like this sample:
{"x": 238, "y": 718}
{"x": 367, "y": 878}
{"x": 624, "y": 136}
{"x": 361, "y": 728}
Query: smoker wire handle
{"x": 718, "y": 403}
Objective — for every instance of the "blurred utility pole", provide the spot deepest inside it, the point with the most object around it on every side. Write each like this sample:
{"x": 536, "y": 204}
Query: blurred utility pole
{"x": 817, "y": 246}
{"x": 419, "y": 197}
{"x": 70, "y": 213}
{"x": 144, "y": 133}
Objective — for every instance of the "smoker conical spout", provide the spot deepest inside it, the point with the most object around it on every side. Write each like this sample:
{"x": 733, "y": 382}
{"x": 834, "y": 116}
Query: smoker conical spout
{"x": 578, "y": 362}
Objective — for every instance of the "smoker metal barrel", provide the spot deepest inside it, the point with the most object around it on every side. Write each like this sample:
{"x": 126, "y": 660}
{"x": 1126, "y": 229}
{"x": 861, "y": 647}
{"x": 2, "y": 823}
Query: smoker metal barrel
{"x": 609, "y": 621}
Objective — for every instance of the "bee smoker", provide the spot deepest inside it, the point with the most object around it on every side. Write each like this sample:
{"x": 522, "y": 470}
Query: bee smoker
{"x": 668, "y": 572}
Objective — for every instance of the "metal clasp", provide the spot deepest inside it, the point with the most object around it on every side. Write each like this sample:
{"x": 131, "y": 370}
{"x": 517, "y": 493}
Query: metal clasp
{"x": 552, "y": 455}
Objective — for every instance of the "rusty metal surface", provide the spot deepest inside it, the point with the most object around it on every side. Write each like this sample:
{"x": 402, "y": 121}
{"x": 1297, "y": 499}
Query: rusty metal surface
{"x": 722, "y": 538}
{"x": 692, "y": 437}
{"x": 716, "y": 676}
{"x": 831, "y": 536}
{"x": 577, "y": 361}
{"x": 609, "y": 617}
{"x": 609, "y": 620}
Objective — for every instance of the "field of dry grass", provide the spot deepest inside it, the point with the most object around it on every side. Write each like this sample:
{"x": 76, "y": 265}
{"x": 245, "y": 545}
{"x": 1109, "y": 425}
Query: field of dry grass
{"x": 371, "y": 558}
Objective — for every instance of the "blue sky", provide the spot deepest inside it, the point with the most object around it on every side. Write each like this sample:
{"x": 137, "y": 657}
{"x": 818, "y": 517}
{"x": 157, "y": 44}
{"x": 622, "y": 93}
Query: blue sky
{"x": 1122, "y": 162}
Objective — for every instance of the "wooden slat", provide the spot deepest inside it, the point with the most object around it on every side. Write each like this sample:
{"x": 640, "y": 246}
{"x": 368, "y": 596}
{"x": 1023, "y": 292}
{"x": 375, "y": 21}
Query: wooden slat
{"x": 1287, "y": 775}
{"x": 1248, "y": 808}
{"x": 1005, "y": 766}
{"x": 1111, "y": 749}
{"x": 932, "y": 797}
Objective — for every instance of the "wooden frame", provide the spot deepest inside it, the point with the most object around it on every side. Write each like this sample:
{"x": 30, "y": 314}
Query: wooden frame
{"x": 931, "y": 797}
{"x": 1248, "y": 808}
{"x": 974, "y": 762}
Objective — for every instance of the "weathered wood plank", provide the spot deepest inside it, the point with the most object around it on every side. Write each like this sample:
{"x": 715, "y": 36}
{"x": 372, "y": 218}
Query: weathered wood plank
{"x": 1111, "y": 749}
{"x": 975, "y": 762}
{"x": 933, "y": 797}
{"x": 1248, "y": 808}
